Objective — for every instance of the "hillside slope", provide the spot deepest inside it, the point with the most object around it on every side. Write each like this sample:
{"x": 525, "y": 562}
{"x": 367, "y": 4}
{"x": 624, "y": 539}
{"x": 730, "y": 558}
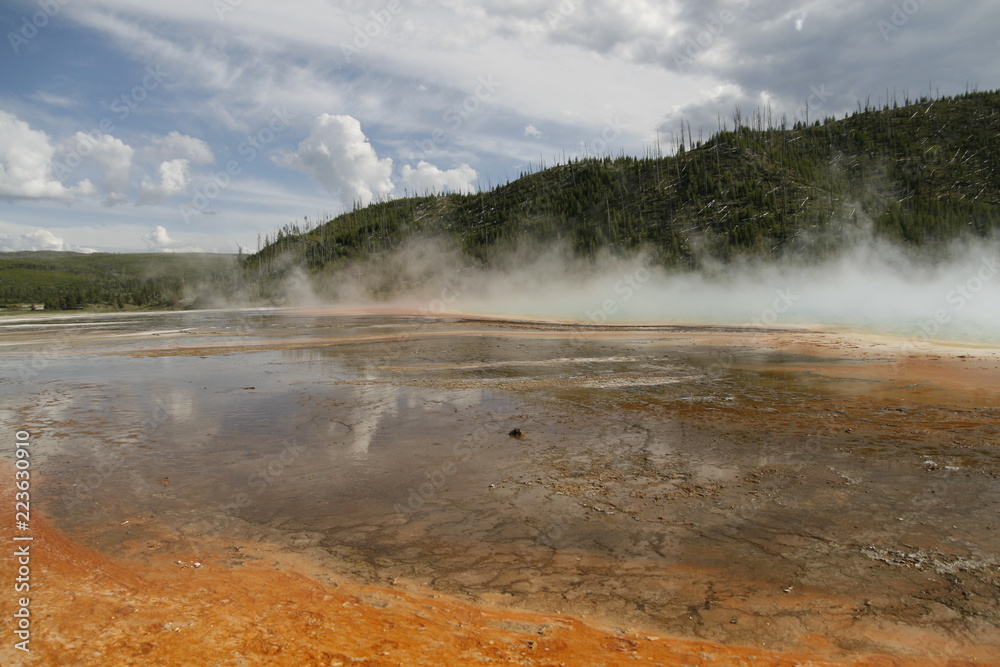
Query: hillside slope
{"x": 917, "y": 174}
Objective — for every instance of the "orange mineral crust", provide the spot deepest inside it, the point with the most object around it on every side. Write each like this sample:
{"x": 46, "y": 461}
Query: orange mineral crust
{"x": 330, "y": 488}
{"x": 254, "y": 605}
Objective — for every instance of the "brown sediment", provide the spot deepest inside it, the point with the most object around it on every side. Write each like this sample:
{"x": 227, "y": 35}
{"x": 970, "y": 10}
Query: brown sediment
{"x": 213, "y": 603}
{"x": 702, "y": 488}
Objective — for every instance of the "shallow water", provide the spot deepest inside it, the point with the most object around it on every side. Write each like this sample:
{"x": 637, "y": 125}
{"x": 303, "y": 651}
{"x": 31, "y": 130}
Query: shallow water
{"x": 698, "y": 482}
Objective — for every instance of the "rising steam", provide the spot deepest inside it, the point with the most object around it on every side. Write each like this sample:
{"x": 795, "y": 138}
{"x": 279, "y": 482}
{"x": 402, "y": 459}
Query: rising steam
{"x": 952, "y": 294}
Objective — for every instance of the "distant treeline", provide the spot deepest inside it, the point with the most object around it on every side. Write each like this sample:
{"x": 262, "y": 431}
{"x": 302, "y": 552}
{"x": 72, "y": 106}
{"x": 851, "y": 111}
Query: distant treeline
{"x": 67, "y": 281}
{"x": 919, "y": 174}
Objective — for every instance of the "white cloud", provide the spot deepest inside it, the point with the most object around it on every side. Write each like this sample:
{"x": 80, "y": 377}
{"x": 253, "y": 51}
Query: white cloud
{"x": 596, "y": 75}
{"x": 112, "y": 156}
{"x": 174, "y": 179}
{"x": 338, "y": 156}
{"x": 270, "y": 55}
{"x": 40, "y": 239}
{"x": 54, "y": 100}
{"x": 26, "y": 166}
{"x": 158, "y": 240}
{"x": 532, "y": 131}
{"x": 416, "y": 69}
{"x": 176, "y": 145}
{"x": 428, "y": 178}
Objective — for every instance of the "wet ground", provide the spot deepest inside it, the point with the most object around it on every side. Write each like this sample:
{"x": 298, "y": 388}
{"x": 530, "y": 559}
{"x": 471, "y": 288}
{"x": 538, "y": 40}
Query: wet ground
{"x": 822, "y": 494}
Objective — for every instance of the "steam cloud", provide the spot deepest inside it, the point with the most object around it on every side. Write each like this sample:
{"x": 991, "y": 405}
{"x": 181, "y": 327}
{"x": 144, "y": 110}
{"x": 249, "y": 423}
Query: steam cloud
{"x": 950, "y": 295}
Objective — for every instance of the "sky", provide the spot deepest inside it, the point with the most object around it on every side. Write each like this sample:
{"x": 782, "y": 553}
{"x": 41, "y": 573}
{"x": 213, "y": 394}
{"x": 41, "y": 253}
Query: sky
{"x": 203, "y": 125}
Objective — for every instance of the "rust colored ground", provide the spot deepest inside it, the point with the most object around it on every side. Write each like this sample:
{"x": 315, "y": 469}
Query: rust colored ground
{"x": 258, "y": 604}
{"x": 87, "y": 609}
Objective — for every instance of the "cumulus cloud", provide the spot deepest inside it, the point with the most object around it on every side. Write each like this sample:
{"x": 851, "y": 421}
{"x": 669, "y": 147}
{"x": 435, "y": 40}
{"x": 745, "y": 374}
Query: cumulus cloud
{"x": 428, "y": 178}
{"x": 338, "y": 156}
{"x": 158, "y": 240}
{"x": 532, "y": 131}
{"x": 775, "y": 51}
{"x": 179, "y": 146}
{"x": 26, "y": 164}
{"x": 826, "y": 53}
{"x": 174, "y": 178}
{"x": 566, "y": 67}
{"x": 605, "y": 26}
{"x": 113, "y": 158}
{"x": 636, "y": 30}
{"x": 40, "y": 239}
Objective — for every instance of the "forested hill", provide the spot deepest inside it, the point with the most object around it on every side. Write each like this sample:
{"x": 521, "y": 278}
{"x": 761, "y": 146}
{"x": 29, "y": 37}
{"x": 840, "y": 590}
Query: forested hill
{"x": 70, "y": 281}
{"x": 918, "y": 173}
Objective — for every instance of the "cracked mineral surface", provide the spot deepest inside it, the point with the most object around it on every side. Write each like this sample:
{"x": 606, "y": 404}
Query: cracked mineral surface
{"x": 228, "y": 483}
